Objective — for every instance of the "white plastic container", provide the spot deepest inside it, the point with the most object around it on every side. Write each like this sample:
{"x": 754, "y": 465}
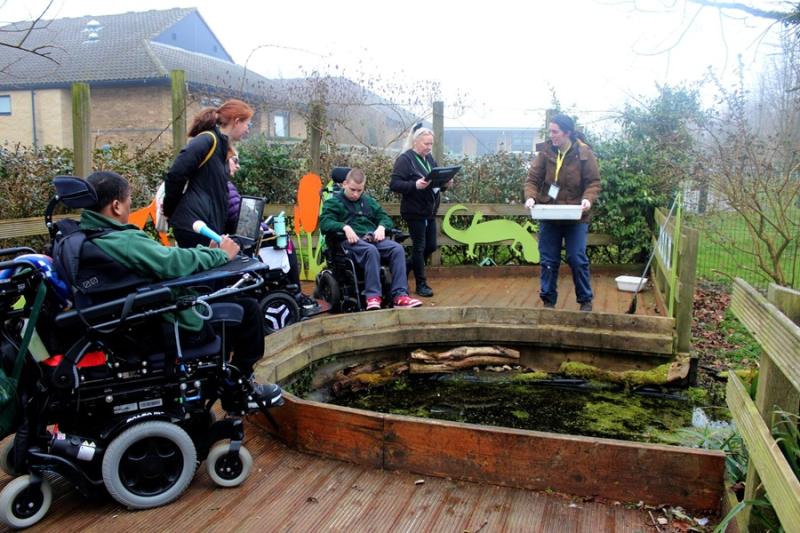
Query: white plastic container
{"x": 556, "y": 212}
{"x": 630, "y": 283}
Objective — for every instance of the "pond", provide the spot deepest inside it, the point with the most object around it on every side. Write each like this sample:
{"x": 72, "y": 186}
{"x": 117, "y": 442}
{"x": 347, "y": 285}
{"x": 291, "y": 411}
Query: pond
{"x": 516, "y": 398}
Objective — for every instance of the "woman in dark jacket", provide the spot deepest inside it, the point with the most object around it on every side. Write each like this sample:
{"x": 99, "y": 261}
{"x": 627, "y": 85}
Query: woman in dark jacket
{"x": 419, "y": 202}
{"x": 196, "y": 187}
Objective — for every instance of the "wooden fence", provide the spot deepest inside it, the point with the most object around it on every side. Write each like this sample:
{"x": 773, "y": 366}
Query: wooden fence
{"x": 24, "y": 227}
{"x": 770, "y": 323}
{"x": 674, "y": 273}
{"x": 505, "y": 210}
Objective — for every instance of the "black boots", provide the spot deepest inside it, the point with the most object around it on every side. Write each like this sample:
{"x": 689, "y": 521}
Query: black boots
{"x": 424, "y": 290}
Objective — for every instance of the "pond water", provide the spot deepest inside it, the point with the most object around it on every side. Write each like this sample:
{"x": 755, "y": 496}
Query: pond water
{"x": 553, "y": 404}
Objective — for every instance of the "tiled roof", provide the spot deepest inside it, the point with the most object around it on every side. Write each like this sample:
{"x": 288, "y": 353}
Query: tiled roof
{"x": 123, "y": 51}
{"x": 211, "y": 72}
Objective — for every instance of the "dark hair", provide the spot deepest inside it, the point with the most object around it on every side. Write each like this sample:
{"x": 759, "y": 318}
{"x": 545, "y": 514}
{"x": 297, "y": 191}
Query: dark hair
{"x": 109, "y": 186}
{"x": 566, "y": 124}
{"x": 229, "y": 111}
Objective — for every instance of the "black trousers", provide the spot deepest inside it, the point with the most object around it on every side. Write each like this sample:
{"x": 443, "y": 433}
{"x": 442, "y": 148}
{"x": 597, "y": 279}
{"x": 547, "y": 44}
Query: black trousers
{"x": 423, "y": 239}
{"x": 246, "y": 339}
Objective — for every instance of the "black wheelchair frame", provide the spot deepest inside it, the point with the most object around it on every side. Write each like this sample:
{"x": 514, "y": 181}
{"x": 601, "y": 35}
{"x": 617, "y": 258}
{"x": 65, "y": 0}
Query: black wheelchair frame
{"x": 341, "y": 283}
{"x": 130, "y": 422}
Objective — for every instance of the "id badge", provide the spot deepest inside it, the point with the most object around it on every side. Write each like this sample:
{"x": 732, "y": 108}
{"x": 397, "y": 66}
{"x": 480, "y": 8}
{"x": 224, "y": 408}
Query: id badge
{"x": 553, "y": 192}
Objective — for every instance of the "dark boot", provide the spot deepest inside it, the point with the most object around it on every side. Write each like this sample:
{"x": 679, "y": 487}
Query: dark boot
{"x": 424, "y": 290}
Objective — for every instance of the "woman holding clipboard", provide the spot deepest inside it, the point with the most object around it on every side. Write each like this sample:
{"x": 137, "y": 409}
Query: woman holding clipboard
{"x": 420, "y": 200}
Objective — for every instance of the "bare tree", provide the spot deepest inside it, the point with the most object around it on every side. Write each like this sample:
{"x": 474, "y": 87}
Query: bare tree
{"x": 18, "y": 36}
{"x": 752, "y": 163}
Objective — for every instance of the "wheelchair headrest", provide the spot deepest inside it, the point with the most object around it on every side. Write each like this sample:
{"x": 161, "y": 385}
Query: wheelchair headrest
{"x": 75, "y": 192}
{"x": 338, "y": 174}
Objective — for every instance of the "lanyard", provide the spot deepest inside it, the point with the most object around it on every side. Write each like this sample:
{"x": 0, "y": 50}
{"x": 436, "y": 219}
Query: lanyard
{"x": 560, "y": 160}
{"x": 424, "y": 163}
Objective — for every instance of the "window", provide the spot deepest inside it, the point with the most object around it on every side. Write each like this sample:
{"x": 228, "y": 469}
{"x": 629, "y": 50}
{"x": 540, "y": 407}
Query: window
{"x": 280, "y": 122}
{"x": 5, "y": 104}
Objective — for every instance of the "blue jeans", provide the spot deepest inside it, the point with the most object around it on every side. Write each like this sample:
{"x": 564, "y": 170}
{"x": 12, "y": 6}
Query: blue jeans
{"x": 369, "y": 256}
{"x": 551, "y": 235}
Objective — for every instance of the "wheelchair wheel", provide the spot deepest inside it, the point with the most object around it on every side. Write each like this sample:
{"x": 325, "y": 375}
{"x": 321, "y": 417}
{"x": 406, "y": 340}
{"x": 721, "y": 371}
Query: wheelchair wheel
{"x": 328, "y": 289}
{"x": 149, "y": 464}
{"x": 280, "y": 310}
{"x": 5, "y": 460}
{"x": 21, "y": 505}
{"x": 228, "y": 471}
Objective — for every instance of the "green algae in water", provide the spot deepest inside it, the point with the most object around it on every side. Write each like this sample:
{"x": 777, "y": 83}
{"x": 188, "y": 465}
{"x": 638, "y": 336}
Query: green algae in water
{"x": 577, "y": 409}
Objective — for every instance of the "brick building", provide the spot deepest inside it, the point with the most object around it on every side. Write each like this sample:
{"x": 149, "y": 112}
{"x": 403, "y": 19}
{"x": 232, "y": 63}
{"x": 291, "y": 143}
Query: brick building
{"x": 126, "y": 59}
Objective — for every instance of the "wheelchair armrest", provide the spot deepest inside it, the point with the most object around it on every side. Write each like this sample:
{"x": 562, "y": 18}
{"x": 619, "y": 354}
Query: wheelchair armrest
{"x": 113, "y": 309}
{"x": 397, "y": 235}
{"x": 226, "y": 313}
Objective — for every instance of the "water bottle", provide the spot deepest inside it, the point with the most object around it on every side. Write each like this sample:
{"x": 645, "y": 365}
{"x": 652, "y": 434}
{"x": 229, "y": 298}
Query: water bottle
{"x": 279, "y": 225}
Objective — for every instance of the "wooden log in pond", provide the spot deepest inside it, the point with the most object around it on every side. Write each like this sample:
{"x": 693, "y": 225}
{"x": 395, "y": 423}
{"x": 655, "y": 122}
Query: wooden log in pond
{"x": 452, "y": 366}
{"x": 425, "y": 362}
{"x": 463, "y": 352}
{"x": 367, "y": 375}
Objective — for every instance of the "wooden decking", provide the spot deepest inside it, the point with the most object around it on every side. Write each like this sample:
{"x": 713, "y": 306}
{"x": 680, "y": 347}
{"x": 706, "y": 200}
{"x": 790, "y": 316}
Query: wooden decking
{"x": 292, "y": 491}
{"x": 518, "y": 286}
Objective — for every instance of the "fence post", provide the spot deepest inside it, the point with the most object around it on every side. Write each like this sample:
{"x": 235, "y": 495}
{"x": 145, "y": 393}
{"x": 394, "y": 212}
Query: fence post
{"x": 178, "y": 110}
{"x": 774, "y": 391}
{"x": 674, "y": 258}
{"x": 438, "y": 131}
{"x": 687, "y": 272}
{"x": 81, "y": 129}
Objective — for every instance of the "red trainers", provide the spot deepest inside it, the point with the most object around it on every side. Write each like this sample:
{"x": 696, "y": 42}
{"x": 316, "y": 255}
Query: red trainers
{"x": 406, "y": 301}
{"x": 373, "y": 303}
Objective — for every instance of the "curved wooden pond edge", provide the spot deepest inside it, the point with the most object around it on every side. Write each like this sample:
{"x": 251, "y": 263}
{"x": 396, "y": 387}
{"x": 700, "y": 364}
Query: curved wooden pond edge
{"x": 629, "y": 341}
{"x": 585, "y": 466}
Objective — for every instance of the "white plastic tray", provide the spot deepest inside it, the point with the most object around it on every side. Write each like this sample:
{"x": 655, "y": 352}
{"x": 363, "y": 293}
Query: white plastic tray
{"x": 556, "y": 212}
{"x": 630, "y": 283}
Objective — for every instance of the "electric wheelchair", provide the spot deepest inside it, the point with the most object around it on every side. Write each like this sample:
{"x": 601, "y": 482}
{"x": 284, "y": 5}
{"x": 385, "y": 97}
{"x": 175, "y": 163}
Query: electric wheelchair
{"x": 341, "y": 282}
{"x": 105, "y": 395}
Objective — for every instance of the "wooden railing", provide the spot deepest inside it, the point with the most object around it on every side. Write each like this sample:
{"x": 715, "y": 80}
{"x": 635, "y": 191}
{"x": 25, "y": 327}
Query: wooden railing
{"x": 674, "y": 272}
{"x": 25, "y": 227}
{"x": 778, "y": 389}
{"x": 505, "y": 210}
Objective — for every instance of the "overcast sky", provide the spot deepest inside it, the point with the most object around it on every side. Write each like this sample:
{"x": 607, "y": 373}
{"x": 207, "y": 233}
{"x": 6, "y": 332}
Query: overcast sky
{"x": 501, "y": 58}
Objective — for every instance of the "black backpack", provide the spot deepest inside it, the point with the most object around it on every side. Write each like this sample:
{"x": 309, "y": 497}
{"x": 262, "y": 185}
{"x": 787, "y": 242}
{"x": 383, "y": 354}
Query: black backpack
{"x": 93, "y": 275}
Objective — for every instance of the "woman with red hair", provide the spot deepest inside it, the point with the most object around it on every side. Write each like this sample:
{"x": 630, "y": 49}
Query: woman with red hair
{"x": 196, "y": 187}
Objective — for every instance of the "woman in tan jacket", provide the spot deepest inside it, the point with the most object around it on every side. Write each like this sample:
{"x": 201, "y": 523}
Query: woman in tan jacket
{"x": 565, "y": 171}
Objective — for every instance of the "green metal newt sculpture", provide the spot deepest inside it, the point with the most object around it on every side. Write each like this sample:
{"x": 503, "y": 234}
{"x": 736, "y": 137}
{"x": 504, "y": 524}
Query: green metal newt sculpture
{"x": 488, "y": 231}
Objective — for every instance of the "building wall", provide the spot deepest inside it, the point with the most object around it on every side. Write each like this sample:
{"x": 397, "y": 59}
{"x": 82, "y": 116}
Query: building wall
{"x": 136, "y": 116}
{"x": 53, "y": 118}
{"x": 141, "y": 116}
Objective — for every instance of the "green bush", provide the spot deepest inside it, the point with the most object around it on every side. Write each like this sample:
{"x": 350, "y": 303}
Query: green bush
{"x": 26, "y": 175}
{"x": 273, "y": 170}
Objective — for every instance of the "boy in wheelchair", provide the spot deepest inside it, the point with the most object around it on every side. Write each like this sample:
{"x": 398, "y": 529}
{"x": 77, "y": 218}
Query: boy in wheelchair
{"x": 136, "y": 252}
{"x": 359, "y": 224}
{"x": 130, "y": 393}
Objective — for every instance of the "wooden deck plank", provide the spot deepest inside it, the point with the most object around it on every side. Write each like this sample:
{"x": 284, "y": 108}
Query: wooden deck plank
{"x": 347, "y": 497}
{"x": 518, "y": 287}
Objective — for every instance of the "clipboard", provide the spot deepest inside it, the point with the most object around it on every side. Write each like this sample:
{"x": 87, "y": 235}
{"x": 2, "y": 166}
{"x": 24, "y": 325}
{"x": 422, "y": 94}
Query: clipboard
{"x": 438, "y": 176}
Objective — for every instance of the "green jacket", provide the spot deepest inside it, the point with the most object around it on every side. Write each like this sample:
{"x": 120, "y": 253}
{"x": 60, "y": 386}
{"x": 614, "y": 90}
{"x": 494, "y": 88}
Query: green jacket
{"x": 135, "y": 250}
{"x": 335, "y": 215}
